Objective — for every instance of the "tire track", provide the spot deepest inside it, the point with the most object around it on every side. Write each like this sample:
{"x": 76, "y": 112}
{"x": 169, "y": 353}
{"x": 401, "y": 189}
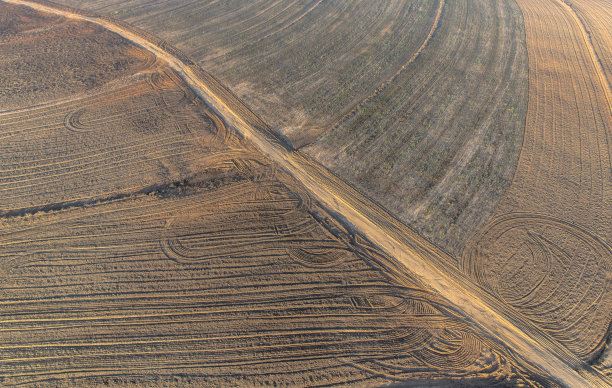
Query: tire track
{"x": 605, "y": 84}
{"x": 548, "y": 235}
{"x": 420, "y": 257}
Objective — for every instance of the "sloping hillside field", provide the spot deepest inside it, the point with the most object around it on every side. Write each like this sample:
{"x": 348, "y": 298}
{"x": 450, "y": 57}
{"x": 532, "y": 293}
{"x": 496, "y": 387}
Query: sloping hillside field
{"x": 145, "y": 243}
{"x": 154, "y": 231}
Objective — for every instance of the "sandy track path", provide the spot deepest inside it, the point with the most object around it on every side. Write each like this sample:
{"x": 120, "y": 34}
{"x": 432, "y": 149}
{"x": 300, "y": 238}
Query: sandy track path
{"x": 420, "y": 257}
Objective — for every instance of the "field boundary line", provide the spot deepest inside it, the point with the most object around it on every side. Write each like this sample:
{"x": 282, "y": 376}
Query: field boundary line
{"x": 421, "y": 258}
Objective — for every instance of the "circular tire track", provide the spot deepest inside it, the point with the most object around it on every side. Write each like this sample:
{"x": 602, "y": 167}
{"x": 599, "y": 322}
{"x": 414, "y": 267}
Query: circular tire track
{"x": 238, "y": 220}
{"x": 73, "y": 122}
{"x": 552, "y": 271}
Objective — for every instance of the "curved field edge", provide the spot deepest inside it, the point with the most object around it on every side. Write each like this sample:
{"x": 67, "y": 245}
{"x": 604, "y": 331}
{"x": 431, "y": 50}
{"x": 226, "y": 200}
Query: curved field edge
{"x": 597, "y": 38}
{"x": 420, "y": 257}
{"x": 439, "y": 160}
{"x": 216, "y": 205}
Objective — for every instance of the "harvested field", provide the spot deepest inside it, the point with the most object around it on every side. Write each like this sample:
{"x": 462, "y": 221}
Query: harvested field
{"x": 596, "y": 16}
{"x": 300, "y": 64}
{"x": 237, "y": 284}
{"x": 438, "y": 146}
{"x": 80, "y": 149}
{"x": 546, "y": 251}
{"x": 144, "y": 242}
{"x": 420, "y": 104}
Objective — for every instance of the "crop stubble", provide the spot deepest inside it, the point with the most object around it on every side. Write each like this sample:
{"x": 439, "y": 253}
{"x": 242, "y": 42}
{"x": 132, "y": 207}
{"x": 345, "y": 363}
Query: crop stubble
{"x": 436, "y": 142}
{"x": 144, "y": 242}
{"x": 560, "y": 266}
{"x": 438, "y": 145}
{"x": 299, "y": 63}
{"x": 546, "y": 252}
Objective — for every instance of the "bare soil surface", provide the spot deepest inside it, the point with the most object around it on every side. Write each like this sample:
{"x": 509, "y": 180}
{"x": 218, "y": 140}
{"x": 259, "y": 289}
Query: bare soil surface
{"x": 495, "y": 317}
{"x": 81, "y": 55}
{"x": 546, "y": 251}
{"x": 595, "y": 16}
{"x": 301, "y": 63}
{"x": 420, "y": 104}
{"x": 147, "y": 243}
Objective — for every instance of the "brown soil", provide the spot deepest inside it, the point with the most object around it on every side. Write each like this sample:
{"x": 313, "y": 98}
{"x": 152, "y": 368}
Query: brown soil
{"x": 420, "y": 104}
{"x": 144, "y": 242}
{"x": 546, "y": 251}
{"x": 81, "y": 55}
{"x": 596, "y": 15}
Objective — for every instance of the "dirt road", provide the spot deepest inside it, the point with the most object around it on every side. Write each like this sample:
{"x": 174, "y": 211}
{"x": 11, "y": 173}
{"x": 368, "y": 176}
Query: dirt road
{"x": 420, "y": 257}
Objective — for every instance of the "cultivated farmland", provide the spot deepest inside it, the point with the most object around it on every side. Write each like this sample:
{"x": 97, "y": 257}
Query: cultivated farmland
{"x": 419, "y": 104}
{"x": 595, "y": 15}
{"x": 158, "y": 232}
{"x": 33, "y": 43}
{"x": 545, "y": 251}
{"x": 438, "y": 145}
{"x": 300, "y": 63}
{"x": 144, "y": 242}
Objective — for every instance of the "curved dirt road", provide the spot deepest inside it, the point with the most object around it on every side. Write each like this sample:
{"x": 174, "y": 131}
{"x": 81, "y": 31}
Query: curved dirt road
{"x": 421, "y": 258}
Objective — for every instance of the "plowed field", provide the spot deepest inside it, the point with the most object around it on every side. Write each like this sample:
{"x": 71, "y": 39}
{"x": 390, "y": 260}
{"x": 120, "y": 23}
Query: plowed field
{"x": 546, "y": 252}
{"x": 595, "y": 16}
{"x": 419, "y": 104}
{"x": 33, "y": 43}
{"x": 158, "y": 232}
{"x": 144, "y": 242}
{"x": 299, "y": 63}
